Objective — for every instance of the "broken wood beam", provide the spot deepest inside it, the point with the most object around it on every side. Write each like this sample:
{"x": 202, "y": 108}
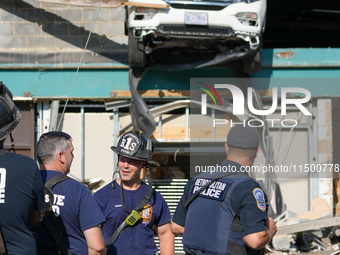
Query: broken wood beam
{"x": 164, "y": 93}
{"x": 309, "y": 225}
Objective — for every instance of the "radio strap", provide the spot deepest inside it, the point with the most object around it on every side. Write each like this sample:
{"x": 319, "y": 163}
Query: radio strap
{"x": 133, "y": 217}
{"x": 50, "y": 221}
{"x": 2, "y": 244}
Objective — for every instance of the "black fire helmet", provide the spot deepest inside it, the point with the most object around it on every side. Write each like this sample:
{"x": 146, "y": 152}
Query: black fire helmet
{"x": 136, "y": 145}
{"x": 10, "y": 115}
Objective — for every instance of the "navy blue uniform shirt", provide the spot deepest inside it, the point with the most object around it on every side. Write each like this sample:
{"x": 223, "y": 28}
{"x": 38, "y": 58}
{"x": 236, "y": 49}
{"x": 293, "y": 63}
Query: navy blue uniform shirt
{"x": 246, "y": 199}
{"x": 75, "y": 210}
{"x": 21, "y": 191}
{"x": 139, "y": 239}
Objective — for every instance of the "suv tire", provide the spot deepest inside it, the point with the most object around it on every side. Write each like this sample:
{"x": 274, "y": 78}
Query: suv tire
{"x": 136, "y": 54}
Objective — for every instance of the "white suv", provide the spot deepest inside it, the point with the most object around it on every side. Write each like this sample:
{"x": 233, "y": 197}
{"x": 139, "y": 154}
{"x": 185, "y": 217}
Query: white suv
{"x": 221, "y": 30}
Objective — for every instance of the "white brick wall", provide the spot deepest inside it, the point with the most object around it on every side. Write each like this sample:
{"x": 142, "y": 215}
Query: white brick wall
{"x": 27, "y": 25}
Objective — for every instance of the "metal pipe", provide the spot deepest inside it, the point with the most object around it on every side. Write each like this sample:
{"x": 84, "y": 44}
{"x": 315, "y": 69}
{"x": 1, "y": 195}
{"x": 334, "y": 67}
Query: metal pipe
{"x": 39, "y": 121}
{"x": 83, "y": 105}
{"x": 268, "y": 177}
{"x": 82, "y": 143}
{"x": 314, "y": 158}
{"x": 116, "y": 127}
{"x": 187, "y": 123}
{"x": 160, "y": 127}
{"x": 38, "y": 127}
{"x": 213, "y": 118}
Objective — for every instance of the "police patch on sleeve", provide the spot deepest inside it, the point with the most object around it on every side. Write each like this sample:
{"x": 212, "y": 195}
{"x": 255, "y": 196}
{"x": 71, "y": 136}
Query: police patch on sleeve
{"x": 259, "y": 197}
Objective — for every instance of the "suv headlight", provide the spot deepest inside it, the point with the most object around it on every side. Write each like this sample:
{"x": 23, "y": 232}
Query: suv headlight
{"x": 143, "y": 13}
{"x": 247, "y": 18}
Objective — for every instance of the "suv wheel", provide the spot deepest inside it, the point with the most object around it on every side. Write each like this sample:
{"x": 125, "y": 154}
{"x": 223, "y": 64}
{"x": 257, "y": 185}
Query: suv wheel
{"x": 253, "y": 63}
{"x": 136, "y": 54}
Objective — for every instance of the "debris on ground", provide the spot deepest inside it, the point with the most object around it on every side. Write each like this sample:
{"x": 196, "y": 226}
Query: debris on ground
{"x": 313, "y": 232}
{"x": 93, "y": 183}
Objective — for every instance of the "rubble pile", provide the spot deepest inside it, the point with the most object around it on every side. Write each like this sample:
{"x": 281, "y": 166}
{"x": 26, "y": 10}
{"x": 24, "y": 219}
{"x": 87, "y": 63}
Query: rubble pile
{"x": 313, "y": 231}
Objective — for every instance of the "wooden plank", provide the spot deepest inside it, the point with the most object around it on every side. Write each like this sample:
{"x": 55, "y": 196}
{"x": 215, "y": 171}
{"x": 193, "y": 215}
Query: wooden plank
{"x": 336, "y": 193}
{"x": 151, "y": 93}
{"x": 157, "y": 6}
{"x": 309, "y": 225}
{"x": 86, "y": 3}
{"x": 174, "y": 93}
{"x": 203, "y": 132}
{"x": 206, "y": 132}
{"x": 171, "y": 133}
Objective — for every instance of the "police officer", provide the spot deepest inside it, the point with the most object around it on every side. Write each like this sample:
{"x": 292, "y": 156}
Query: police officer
{"x": 128, "y": 195}
{"x": 21, "y": 186}
{"x": 228, "y": 215}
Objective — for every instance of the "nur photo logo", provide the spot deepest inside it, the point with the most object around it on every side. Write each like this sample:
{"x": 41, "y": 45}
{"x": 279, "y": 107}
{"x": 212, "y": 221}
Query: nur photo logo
{"x": 239, "y": 103}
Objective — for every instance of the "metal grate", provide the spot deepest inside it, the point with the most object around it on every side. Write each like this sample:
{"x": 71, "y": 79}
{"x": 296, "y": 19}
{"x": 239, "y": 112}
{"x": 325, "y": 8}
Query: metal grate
{"x": 198, "y": 7}
{"x": 172, "y": 191}
{"x": 188, "y": 30}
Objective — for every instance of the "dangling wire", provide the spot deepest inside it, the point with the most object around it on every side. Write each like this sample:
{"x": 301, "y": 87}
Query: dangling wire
{"x": 113, "y": 176}
{"x": 121, "y": 194}
{"x": 121, "y": 186}
{"x": 148, "y": 174}
{"x": 12, "y": 143}
{"x": 81, "y": 60}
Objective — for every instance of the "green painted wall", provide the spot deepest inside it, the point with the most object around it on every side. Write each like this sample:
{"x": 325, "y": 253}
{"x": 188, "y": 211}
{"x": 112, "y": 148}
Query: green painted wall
{"x": 318, "y": 70}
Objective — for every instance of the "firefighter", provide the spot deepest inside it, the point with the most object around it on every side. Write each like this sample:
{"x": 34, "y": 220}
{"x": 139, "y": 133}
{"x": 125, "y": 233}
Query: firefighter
{"x": 130, "y": 206}
{"x": 21, "y": 186}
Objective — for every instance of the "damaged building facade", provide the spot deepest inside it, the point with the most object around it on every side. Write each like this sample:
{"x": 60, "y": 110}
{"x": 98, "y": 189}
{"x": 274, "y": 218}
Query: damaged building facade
{"x": 41, "y": 45}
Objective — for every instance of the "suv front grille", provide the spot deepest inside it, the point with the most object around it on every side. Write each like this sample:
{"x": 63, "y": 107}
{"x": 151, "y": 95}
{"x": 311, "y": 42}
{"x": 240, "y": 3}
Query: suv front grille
{"x": 198, "y": 7}
{"x": 208, "y": 31}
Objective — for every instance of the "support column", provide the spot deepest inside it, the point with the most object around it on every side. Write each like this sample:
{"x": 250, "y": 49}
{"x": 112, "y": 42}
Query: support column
{"x": 325, "y": 147}
{"x": 116, "y": 127}
{"x": 54, "y": 115}
{"x": 314, "y": 180}
{"x": 82, "y": 142}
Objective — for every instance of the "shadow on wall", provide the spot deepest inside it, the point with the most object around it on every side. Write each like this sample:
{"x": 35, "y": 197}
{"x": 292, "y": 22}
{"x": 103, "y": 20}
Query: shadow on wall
{"x": 64, "y": 30}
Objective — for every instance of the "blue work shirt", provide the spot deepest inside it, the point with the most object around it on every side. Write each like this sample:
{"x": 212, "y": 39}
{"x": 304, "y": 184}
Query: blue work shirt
{"x": 21, "y": 191}
{"x": 138, "y": 239}
{"x": 76, "y": 211}
{"x": 211, "y": 214}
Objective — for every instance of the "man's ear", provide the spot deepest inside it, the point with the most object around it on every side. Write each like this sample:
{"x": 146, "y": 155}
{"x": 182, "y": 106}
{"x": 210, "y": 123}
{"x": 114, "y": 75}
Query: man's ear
{"x": 226, "y": 148}
{"x": 257, "y": 151}
{"x": 60, "y": 157}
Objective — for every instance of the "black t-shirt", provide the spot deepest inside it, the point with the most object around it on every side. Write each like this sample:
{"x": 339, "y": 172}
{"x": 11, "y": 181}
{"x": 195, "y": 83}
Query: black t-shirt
{"x": 21, "y": 191}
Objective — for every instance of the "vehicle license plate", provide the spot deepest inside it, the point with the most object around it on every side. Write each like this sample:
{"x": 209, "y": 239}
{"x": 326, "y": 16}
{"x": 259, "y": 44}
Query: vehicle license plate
{"x": 194, "y": 18}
